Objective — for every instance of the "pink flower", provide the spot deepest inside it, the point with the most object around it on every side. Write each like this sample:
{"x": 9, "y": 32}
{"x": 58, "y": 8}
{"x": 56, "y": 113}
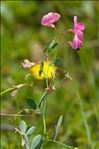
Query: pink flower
{"x": 78, "y": 34}
{"x": 78, "y": 26}
{"x": 49, "y": 19}
{"x": 76, "y": 43}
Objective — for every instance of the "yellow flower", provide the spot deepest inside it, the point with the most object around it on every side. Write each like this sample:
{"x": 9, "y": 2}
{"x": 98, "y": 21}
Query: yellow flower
{"x": 48, "y": 70}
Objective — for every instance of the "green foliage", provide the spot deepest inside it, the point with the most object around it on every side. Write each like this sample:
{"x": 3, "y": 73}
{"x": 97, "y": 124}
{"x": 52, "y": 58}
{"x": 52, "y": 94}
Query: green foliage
{"x": 41, "y": 68}
{"x": 26, "y": 139}
{"x": 30, "y": 130}
{"x": 23, "y": 126}
{"x": 50, "y": 45}
{"x": 31, "y": 102}
{"x": 58, "y": 62}
{"x": 57, "y": 127}
{"x": 42, "y": 99}
{"x": 36, "y": 142}
{"x": 21, "y": 31}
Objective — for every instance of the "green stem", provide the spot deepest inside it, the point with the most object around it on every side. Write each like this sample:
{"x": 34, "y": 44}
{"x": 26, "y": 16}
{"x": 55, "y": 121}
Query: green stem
{"x": 14, "y": 88}
{"x": 42, "y": 98}
{"x": 27, "y": 110}
{"x": 86, "y": 124}
{"x": 67, "y": 146}
{"x": 8, "y": 90}
{"x": 46, "y": 79}
{"x": 43, "y": 114}
{"x": 42, "y": 105}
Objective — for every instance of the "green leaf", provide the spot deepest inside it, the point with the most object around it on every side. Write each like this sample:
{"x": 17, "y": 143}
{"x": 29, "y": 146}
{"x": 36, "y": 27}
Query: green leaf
{"x": 41, "y": 68}
{"x": 40, "y": 72}
{"x": 42, "y": 99}
{"x": 50, "y": 46}
{"x": 23, "y": 126}
{"x": 58, "y": 126}
{"x": 58, "y": 62}
{"x": 26, "y": 139}
{"x": 31, "y": 102}
{"x": 36, "y": 142}
{"x": 53, "y": 44}
{"x": 46, "y": 48}
{"x": 30, "y": 130}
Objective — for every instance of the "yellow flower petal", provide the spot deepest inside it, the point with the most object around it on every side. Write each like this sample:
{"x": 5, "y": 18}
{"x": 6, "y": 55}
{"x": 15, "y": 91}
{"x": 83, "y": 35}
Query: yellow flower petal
{"x": 48, "y": 71}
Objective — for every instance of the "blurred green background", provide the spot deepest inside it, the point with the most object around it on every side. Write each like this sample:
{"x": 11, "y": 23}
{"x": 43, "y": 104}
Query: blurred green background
{"x": 23, "y": 37}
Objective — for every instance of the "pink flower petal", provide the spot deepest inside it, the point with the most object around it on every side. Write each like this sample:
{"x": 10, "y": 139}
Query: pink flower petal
{"x": 76, "y": 43}
{"x": 79, "y": 34}
{"x": 49, "y": 19}
{"x": 78, "y": 26}
{"x": 75, "y": 21}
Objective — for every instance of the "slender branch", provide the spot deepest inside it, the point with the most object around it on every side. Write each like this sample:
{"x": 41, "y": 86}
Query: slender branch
{"x": 43, "y": 103}
{"x": 20, "y": 115}
{"x": 28, "y": 110}
{"x": 7, "y": 90}
{"x": 23, "y": 139}
{"x": 67, "y": 146}
{"x": 47, "y": 74}
{"x": 13, "y": 88}
{"x": 85, "y": 121}
{"x": 43, "y": 114}
{"x": 42, "y": 98}
{"x": 86, "y": 124}
{"x": 14, "y": 115}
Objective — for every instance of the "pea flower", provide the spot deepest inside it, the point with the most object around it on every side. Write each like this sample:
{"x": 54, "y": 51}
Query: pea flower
{"x": 34, "y": 68}
{"x": 78, "y": 26}
{"x": 49, "y": 19}
{"x": 76, "y": 43}
{"x": 78, "y": 34}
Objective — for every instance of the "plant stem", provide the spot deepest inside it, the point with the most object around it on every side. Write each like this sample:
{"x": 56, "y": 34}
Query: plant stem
{"x": 26, "y": 145}
{"x": 8, "y": 90}
{"x": 43, "y": 114}
{"x": 42, "y": 105}
{"x": 86, "y": 124}
{"x": 15, "y": 115}
{"x": 85, "y": 121}
{"x": 42, "y": 98}
{"x": 13, "y": 88}
{"x": 67, "y": 146}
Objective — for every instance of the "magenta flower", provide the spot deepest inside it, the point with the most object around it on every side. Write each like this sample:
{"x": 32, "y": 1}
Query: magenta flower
{"x": 76, "y": 43}
{"x": 49, "y": 19}
{"x": 78, "y": 34}
{"x": 78, "y": 26}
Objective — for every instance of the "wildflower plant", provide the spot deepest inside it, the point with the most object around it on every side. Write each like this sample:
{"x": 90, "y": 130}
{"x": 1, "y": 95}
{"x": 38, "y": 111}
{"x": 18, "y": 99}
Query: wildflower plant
{"x": 46, "y": 70}
{"x": 50, "y": 18}
{"x": 78, "y": 34}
